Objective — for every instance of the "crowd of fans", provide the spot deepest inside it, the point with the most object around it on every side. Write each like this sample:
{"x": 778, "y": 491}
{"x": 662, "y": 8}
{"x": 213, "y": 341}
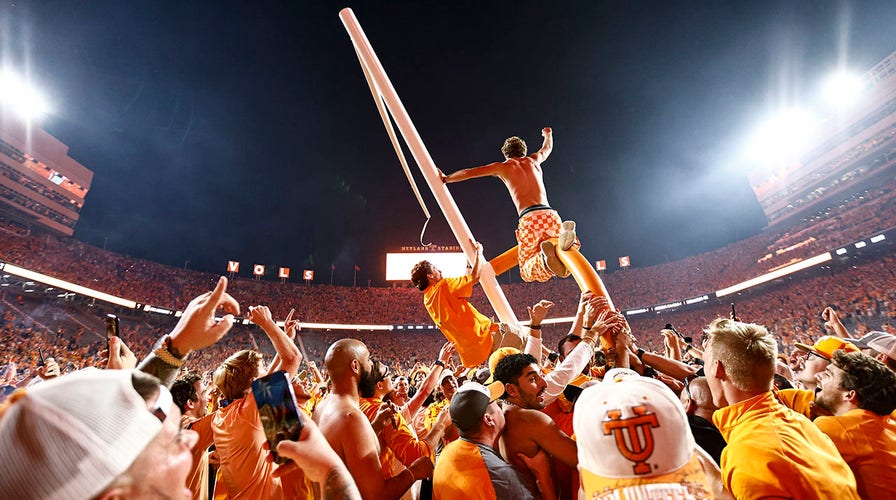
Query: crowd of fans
{"x": 368, "y": 427}
{"x": 363, "y": 393}
{"x": 74, "y": 332}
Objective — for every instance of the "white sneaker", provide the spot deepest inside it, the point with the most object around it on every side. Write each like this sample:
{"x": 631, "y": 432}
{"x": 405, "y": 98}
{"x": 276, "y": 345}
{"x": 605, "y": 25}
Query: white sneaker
{"x": 567, "y": 235}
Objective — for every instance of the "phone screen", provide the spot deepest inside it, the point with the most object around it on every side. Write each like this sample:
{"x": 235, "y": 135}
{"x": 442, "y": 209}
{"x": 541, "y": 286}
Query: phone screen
{"x": 113, "y": 326}
{"x": 277, "y": 410}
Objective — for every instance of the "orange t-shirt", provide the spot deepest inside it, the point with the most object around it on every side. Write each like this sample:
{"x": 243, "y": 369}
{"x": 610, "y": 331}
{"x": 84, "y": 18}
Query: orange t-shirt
{"x": 245, "y": 471}
{"x": 867, "y": 442}
{"x": 398, "y": 442}
{"x": 459, "y": 321}
{"x": 198, "y": 479}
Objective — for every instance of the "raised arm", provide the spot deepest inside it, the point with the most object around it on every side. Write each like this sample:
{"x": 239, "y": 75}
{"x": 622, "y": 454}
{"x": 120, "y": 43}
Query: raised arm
{"x": 546, "y": 148}
{"x": 289, "y": 356}
{"x": 671, "y": 367}
{"x": 429, "y": 383}
{"x": 196, "y": 329}
{"x": 476, "y": 271}
{"x": 579, "y": 357}
{"x": 472, "y": 173}
{"x": 537, "y": 313}
{"x": 576, "y": 327}
{"x": 832, "y": 322}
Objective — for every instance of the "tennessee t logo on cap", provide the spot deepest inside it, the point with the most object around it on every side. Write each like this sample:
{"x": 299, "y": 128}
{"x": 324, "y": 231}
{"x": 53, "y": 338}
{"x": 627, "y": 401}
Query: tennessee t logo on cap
{"x": 633, "y": 448}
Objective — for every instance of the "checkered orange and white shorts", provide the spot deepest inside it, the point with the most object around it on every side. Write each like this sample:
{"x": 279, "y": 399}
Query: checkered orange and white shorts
{"x": 535, "y": 227}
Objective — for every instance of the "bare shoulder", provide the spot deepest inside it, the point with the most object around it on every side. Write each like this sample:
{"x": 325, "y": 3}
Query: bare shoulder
{"x": 344, "y": 426}
{"x": 352, "y": 426}
{"x": 534, "y": 417}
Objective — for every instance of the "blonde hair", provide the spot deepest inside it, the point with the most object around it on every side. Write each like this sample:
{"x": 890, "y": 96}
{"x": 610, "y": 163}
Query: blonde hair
{"x": 747, "y": 351}
{"x": 235, "y": 375}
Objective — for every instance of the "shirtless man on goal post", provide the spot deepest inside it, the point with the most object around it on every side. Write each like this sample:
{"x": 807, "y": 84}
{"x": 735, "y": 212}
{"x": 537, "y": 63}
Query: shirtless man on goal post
{"x": 538, "y": 221}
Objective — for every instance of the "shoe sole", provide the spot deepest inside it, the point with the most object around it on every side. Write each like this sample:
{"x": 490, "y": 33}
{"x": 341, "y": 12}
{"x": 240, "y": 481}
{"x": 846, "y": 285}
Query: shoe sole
{"x": 551, "y": 260}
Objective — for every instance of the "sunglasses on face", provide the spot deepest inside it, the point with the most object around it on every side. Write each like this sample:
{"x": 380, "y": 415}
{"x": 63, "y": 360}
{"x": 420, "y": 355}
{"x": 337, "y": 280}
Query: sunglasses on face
{"x": 382, "y": 369}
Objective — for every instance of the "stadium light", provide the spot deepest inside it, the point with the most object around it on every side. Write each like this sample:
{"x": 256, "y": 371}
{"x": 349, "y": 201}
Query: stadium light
{"x": 21, "y": 97}
{"x": 65, "y": 285}
{"x": 783, "y": 137}
{"x": 784, "y": 271}
{"x": 841, "y": 89}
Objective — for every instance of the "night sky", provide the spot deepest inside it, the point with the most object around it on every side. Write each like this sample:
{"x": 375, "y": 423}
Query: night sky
{"x": 246, "y": 130}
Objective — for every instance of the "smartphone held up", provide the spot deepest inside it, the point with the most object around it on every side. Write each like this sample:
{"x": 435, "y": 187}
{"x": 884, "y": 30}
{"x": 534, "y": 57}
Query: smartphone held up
{"x": 277, "y": 410}
{"x": 113, "y": 326}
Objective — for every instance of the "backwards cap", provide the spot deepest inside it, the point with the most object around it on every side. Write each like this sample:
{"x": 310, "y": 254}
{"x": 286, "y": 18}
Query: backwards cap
{"x": 470, "y": 402}
{"x": 634, "y": 441}
{"x": 71, "y": 436}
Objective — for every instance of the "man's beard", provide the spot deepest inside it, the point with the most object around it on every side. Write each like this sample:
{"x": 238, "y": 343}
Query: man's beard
{"x": 367, "y": 384}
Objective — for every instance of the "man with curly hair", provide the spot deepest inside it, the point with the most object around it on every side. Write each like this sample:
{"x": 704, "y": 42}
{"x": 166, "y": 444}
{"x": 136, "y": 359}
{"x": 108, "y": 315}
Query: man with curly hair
{"x": 861, "y": 393}
{"x": 474, "y": 335}
{"x": 538, "y": 223}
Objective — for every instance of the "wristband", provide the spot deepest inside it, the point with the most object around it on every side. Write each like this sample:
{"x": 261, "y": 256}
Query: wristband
{"x": 640, "y": 353}
{"x": 441, "y": 363}
{"x": 587, "y": 327}
{"x": 535, "y": 327}
{"x": 162, "y": 352}
{"x": 166, "y": 341}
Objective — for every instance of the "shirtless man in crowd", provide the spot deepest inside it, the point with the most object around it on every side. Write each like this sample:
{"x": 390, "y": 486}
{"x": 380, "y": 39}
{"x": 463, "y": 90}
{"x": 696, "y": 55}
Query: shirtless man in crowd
{"x": 529, "y": 430}
{"x": 348, "y": 430}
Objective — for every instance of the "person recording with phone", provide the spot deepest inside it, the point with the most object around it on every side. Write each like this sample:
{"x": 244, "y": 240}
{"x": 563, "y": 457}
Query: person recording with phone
{"x": 117, "y": 434}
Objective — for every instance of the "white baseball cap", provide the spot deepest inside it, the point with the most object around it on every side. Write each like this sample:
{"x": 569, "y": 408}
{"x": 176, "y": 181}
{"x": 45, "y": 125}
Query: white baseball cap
{"x": 70, "y": 437}
{"x": 634, "y": 441}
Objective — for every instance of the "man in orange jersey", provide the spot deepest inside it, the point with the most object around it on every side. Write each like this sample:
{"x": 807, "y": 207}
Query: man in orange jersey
{"x": 474, "y": 335}
{"x": 861, "y": 393}
{"x": 772, "y": 450}
{"x": 399, "y": 445}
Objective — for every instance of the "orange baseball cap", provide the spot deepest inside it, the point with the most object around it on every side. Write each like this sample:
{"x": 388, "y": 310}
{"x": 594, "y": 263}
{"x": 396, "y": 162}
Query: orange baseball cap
{"x": 825, "y": 346}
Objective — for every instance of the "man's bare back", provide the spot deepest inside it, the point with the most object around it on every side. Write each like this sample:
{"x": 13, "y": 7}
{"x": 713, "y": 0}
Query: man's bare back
{"x": 539, "y": 224}
{"x": 521, "y": 174}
